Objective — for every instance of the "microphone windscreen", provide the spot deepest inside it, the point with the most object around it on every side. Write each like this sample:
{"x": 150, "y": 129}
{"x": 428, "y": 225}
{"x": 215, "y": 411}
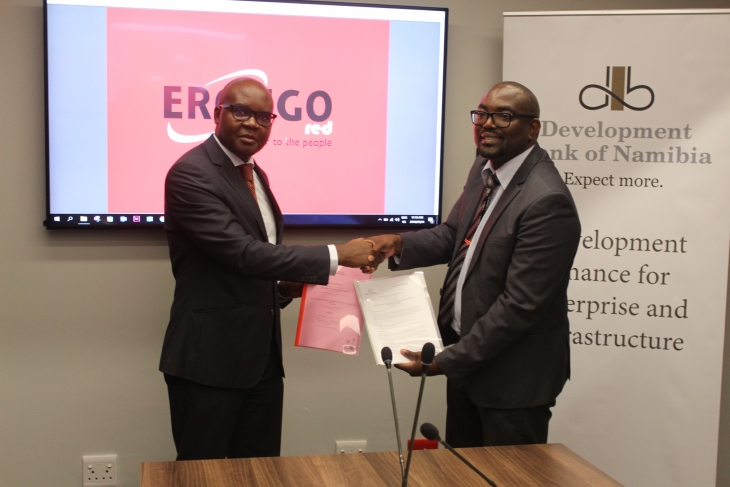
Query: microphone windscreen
{"x": 430, "y": 432}
{"x": 386, "y": 354}
{"x": 427, "y": 353}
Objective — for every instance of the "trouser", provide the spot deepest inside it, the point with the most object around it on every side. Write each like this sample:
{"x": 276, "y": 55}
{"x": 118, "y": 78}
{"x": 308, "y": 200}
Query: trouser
{"x": 215, "y": 422}
{"x": 468, "y": 425}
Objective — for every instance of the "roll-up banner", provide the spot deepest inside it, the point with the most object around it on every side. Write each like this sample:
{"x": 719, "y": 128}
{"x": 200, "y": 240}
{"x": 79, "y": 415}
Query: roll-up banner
{"x": 635, "y": 111}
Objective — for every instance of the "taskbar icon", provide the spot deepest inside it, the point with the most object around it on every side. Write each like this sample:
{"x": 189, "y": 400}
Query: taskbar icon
{"x": 111, "y": 220}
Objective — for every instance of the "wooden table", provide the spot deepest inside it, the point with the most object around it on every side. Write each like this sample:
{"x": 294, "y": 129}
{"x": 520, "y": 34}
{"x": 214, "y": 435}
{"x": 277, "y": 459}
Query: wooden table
{"x": 508, "y": 466}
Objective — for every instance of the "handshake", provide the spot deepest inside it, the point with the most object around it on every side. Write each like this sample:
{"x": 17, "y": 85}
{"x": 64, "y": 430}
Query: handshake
{"x": 368, "y": 253}
{"x": 365, "y": 253}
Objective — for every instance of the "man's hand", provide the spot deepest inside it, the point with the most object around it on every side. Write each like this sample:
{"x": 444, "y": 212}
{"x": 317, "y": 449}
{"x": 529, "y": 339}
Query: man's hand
{"x": 415, "y": 367}
{"x": 289, "y": 289}
{"x": 385, "y": 246}
{"x": 358, "y": 253}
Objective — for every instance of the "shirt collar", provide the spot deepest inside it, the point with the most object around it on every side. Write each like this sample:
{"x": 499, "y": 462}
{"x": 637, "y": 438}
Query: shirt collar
{"x": 508, "y": 170}
{"x": 237, "y": 161}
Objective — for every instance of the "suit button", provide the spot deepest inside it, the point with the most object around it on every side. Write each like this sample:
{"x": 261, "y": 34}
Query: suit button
{"x": 272, "y": 312}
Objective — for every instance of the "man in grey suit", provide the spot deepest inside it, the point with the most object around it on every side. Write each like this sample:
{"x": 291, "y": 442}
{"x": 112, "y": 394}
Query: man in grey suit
{"x": 222, "y": 350}
{"x": 510, "y": 241}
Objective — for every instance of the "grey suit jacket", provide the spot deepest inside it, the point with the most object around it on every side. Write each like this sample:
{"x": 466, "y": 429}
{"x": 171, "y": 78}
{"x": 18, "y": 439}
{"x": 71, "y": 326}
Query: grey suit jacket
{"x": 226, "y": 305}
{"x": 513, "y": 351}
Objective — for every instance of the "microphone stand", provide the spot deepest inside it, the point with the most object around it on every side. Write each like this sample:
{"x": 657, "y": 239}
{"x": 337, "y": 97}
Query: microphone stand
{"x": 432, "y": 433}
{"x": 388, "y": 360}
{"x": 467, "y": 462}
{"x": 397, "y": 428}
{"x": 427, "y": 354}
{"x": 413, "y": 433}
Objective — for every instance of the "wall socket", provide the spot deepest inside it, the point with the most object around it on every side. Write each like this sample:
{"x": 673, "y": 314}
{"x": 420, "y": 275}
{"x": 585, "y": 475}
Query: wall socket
{"x": 355, "y": 446}
{"x": 99, "y": 471}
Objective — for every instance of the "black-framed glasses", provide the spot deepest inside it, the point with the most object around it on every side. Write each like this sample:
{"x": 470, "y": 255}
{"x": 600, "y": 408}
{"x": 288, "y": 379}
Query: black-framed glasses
{"x": 243, "y": 113}
{"x": 500, "y": 119}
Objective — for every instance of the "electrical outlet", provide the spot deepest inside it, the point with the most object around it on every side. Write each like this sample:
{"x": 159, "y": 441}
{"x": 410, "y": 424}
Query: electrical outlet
{"x": 99, "y": 471}
{"x": 356, "y": 446}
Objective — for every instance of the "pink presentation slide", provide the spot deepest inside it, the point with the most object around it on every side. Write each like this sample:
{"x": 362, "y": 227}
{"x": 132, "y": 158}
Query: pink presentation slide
{"x": 162, "y": 68}
{"x": 330, "y": 316}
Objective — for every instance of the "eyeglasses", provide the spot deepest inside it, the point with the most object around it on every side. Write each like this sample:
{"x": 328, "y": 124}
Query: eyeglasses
{"x": 500, "y": 119}
{"x": 243, "y": 113}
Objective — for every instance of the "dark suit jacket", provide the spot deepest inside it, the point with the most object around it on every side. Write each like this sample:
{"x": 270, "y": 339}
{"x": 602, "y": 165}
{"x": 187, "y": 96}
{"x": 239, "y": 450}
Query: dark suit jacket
{"x": 513, "y": 351}
{"x": 226, "y": 305}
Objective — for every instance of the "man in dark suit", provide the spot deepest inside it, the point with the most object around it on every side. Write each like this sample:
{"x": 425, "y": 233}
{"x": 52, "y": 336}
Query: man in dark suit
{"x": 510, "y": 241}
{"x": 222, "y": 350}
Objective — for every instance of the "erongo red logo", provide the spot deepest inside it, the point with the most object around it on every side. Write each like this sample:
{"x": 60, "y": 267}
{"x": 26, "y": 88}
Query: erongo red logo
{"x": 189, "y": 102}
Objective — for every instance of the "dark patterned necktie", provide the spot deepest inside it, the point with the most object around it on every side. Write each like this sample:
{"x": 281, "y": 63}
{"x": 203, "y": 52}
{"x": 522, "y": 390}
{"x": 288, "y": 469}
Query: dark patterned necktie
{"x": 246, "y": 171}
{"x": 448, "y": 293}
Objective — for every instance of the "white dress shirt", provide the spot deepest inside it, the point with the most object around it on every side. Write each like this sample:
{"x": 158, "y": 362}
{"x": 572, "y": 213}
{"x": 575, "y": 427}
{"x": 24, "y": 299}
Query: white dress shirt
{"x": 265, "y": 207}
{"x": 505, "y": 175}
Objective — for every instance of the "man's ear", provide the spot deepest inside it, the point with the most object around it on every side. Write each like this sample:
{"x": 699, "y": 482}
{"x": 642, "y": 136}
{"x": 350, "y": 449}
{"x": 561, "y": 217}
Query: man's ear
{"x": 217, "y": 114}
{"x": 535, "y": 126}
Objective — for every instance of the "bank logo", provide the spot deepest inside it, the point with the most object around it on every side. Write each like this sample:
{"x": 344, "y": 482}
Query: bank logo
{"x": 618, "y": 86}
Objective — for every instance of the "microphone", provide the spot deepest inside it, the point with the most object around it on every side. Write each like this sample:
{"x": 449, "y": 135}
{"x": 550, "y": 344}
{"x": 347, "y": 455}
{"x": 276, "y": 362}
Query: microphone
{"x": 387, "y": 355}
{"x": 427, "y": 353}
{"x": 430, "y": 432}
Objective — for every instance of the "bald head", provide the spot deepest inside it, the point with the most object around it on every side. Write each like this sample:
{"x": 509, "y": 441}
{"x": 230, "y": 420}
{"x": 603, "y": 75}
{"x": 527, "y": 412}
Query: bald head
{"x": 525, "y": 100}
{"x": 229, "y": 91}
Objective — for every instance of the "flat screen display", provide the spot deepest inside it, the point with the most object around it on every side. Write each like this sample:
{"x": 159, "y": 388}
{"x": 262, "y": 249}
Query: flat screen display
{"x": 358, "y": 90}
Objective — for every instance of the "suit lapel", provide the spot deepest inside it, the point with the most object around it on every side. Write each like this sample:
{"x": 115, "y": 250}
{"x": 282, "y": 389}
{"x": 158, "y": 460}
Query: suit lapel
{"x": 515, "y": 186}
{"x": 229, "y": 172}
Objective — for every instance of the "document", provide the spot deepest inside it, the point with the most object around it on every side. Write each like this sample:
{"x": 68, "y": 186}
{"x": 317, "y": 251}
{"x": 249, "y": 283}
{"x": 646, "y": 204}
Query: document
{"x": 398, "y": 314}
{"x": 329, "y": 316}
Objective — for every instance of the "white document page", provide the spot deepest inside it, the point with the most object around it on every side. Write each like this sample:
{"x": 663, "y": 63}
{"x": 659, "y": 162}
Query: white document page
{"x": 398, "y": 314}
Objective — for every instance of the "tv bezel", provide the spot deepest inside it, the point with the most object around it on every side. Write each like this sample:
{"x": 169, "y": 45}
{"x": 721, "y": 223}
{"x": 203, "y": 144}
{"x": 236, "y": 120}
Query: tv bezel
{"x": 158, "y": 223}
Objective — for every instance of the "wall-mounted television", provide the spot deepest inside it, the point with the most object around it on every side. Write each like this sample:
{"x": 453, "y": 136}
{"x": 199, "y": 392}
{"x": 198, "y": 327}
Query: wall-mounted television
{"x": 131, "y": 85}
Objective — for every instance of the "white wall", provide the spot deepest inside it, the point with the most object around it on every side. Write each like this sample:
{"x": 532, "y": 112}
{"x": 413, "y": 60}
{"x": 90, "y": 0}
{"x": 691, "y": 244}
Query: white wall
{"x": 82, "y": 314}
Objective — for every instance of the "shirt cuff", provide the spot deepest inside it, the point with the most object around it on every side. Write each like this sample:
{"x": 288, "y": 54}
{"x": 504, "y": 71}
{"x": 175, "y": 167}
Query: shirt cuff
{"x": 334, "y": 260}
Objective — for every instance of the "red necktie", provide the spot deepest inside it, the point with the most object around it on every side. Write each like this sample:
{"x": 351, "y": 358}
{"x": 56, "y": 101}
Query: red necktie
{"x": 247, "y": 173}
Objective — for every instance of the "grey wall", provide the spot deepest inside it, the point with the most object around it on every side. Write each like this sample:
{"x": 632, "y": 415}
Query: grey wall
{"x": 82, "y": 315}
